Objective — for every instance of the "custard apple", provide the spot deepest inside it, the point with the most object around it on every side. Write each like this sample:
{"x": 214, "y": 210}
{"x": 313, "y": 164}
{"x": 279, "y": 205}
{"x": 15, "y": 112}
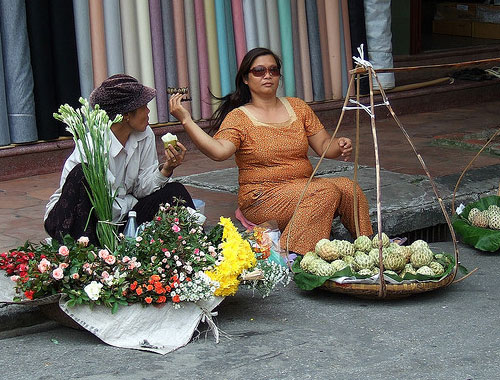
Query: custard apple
{"x": 425, "y": 270}
{"x": 327, "y": 250}
{"x": 385, "y": 241}
{"x": 394, "y": 261}
{"x": 421, "y": 257}
{"x": 362, "y": 243}
{"x": 436, "y": 268}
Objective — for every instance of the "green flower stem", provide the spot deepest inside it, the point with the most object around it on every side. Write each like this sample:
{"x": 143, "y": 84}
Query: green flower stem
{"x": 90, "y": 129}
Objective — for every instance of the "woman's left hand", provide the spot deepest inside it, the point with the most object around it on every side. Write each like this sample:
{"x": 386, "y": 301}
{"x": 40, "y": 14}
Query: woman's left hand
{"x": 345, "y": 147}
{"x": 174, "y": 158}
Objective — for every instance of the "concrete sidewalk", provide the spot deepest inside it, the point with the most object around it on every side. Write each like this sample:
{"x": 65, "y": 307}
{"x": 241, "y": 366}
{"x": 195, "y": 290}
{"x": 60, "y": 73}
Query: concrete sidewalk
{"x": 449, "y": 333}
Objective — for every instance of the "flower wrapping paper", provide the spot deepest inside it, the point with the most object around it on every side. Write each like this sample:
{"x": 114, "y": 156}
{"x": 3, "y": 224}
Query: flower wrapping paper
{"x": 167, "y": 329}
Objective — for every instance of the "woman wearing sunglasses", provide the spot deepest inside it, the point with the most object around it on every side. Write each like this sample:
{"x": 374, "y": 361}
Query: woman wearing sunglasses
{"x": 270, "y": 138}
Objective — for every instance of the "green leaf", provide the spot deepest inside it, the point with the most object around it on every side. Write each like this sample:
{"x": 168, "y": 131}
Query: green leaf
{"x": 304, "y": 280}
{"x": 483, "y": 239}
{"x": 114, "y": 309}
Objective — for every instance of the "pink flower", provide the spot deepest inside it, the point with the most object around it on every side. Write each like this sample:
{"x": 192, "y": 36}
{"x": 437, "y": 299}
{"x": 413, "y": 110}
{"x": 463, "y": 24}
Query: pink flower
{"x": 196, "y": 251}
{"x": 179, "y": 237}
{"x": 44, "y": 265}
{"x": 14, "y": 278}
{"x": 105, "y": 274}
{"x": 86, "y": 268}
{"x": 63, "y": 265}
{"x": 110, "y": 259}
{"x": 63, "y": 250}
{"x": 58, "y": 273}
{"x": 175, "y": 228}
{"x": 75, "y": 276}
{"x": 125, "y": 259}
{"x": 83, "y": 241}
{"x": 103, "y": 253}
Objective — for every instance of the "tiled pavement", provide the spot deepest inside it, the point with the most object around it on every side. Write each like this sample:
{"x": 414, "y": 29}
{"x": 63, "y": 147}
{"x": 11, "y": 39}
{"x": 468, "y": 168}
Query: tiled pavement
{"x": 22, "y": 201}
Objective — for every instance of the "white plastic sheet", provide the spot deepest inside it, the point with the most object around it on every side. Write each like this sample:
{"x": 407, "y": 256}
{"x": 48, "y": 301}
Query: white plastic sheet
{"x": 161, "y": 329}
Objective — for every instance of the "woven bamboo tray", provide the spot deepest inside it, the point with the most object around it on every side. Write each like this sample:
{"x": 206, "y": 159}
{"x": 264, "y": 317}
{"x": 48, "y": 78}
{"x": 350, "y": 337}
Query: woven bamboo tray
{"x": 393, "y": 291}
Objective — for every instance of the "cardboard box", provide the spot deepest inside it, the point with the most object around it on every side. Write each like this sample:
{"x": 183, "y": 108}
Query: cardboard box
{"x": 455, "y": 11}
{"x": 486, "y": 30}
{"x": 454, "y": 27}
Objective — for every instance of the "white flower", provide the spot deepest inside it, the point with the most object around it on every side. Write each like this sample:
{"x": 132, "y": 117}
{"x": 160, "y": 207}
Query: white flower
{"x": 93, "y": 290}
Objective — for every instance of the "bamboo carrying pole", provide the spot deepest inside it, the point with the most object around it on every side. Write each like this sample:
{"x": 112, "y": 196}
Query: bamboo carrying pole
{"x": 366, "y": 68}
{"x": 467, "y": 168}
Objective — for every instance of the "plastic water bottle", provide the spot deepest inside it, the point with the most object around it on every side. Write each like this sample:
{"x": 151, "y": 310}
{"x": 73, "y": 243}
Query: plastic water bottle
{"x": 130, "y": 230}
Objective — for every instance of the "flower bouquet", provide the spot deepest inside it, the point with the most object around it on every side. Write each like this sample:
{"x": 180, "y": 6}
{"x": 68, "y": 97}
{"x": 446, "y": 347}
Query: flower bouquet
{"x": 173, "y": 262}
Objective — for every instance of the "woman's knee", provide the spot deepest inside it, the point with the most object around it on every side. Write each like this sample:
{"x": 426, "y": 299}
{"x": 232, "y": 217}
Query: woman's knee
{"x": 177, "y": 190}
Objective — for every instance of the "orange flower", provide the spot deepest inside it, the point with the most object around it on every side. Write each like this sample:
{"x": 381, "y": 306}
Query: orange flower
{"x": 161, "y": 299}
{"x": 149, "y": 288}
{"x": 148, "y": 299}
{"x": 159, "y": 290}
{"x": 155, "y": 278}
{"x": 133, "y": 285}
{"x": 138, "y": 291}
{"x": 176, "y": 299}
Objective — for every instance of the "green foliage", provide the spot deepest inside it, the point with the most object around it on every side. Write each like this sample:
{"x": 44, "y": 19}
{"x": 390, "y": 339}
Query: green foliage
{"x": 483, "y": 239}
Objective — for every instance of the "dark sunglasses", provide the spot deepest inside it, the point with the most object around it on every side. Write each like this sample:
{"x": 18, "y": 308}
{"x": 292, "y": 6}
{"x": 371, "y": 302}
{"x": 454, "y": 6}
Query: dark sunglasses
{"x": 260, "y": 71}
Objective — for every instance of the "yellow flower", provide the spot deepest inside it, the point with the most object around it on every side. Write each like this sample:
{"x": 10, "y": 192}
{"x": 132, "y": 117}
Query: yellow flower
{"x": 237, "y": 256}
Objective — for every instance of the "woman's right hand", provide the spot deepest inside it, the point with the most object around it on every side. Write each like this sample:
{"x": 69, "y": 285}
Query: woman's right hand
{"x": 177, "y": 110}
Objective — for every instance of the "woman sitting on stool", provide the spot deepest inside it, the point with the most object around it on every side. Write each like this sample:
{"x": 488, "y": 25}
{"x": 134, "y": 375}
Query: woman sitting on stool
{"x": 141, "y": 184}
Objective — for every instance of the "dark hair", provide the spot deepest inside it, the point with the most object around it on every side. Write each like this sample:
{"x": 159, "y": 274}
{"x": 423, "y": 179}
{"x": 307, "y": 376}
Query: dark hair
{"x": 241, "y": 95}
